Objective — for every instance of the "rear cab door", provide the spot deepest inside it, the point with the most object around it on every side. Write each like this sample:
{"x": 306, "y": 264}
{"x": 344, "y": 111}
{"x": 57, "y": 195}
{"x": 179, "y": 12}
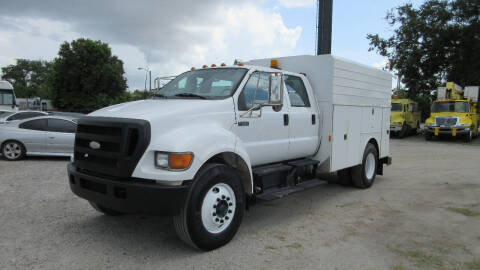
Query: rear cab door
{"x": 303, "y": 118}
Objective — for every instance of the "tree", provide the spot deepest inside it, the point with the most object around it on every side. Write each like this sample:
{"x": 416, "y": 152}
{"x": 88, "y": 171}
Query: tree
{"x": 432, "y": 44}
{"x": 87, "y": 76}
{"x": 30, "y": 78}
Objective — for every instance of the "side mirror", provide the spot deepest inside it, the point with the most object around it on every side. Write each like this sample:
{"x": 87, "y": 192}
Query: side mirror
{"x": 275, "y": 92}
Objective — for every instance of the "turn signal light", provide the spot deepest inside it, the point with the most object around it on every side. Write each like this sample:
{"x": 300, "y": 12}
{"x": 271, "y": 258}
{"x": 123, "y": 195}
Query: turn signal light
{"x": 180, "y": 161}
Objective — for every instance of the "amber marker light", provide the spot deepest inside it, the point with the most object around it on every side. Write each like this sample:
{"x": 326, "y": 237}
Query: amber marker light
{"x": 274, "y": 63}
{"x": 193, "y": 68}
{"x": 223, "y": 64}
{"x": 180, "y": 161}
{"x": 204, "y": 66}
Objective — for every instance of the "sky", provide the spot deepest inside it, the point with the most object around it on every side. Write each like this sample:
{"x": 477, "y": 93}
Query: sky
{"x": 169, "y": 37}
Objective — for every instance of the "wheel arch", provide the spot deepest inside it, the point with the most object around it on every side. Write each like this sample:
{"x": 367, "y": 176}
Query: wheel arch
{"x": 235, "y": 161}
{"x": 375, "y": 143}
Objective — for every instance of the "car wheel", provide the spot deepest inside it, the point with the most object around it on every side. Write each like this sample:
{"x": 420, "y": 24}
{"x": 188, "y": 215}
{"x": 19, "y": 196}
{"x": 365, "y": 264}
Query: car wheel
{"x": 404, "y": 131}
{"x": 363, "y": 175}
{"x": 105, "y": 210}
{"x": 428, "y": 137}
{"x": 13, "y": 150}
{"x": 213, "y": 210}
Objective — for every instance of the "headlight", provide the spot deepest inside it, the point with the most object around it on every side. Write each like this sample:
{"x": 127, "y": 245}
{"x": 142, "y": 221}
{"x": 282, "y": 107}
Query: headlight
{"x": 464, "y": 125}
{"x": 173, "y": 161}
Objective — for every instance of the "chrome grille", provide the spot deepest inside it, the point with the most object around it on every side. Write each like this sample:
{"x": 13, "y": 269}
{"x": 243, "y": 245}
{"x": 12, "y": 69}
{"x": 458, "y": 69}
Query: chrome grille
{"x": 446, "y": 121}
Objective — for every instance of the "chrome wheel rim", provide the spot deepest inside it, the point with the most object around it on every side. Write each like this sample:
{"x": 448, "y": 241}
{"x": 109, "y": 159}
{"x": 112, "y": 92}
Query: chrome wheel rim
{"x": 218, "y": 208}
{"x": 12, "y": 150}
{"x": 370, "y": 166}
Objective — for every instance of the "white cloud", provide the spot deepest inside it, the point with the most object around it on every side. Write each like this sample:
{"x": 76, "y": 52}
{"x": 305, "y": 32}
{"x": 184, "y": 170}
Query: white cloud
{"x": 184, "y": 34}
{"x": 296, "y": 3}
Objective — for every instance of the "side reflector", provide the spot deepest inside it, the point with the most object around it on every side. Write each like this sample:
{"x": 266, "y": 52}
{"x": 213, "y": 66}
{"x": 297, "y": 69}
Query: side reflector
{"x": 274, "y": 63}
{"x": 180, "y": 161}
{"x": 329, "y": 138}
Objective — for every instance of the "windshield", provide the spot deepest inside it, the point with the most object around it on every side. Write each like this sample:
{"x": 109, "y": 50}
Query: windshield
{"x": 5, "y": 114}
{"x": 397, "y": 107}
{"x": 450, "y": 106}
{"x": 6, "y": 97}
{"x": 212, "y": 83}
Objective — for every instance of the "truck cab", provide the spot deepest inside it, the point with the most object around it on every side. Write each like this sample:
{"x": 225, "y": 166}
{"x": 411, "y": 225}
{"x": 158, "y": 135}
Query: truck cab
{"x": 405, "y": 117}
{"x": 455, "y": 113}
{"x": 7, "y": 97}
{"x": 215, "y": 139}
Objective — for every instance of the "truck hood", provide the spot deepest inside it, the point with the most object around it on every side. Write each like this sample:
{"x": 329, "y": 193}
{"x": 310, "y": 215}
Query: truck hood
{"x": 165, "y": 108}
{"x": 396, "y": 117}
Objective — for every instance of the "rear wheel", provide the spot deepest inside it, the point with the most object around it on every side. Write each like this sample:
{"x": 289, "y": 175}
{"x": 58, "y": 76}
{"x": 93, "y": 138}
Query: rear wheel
{"x": 105, "y": 210}
{"x": 428, "y": 136}
{"x": 214, "y": 208}
{"x": 363, "y": 175}
{"x": 13, "y": 150}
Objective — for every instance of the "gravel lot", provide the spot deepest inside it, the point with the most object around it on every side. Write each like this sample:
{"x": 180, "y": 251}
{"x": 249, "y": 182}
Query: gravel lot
{"x": 424, "y": 213}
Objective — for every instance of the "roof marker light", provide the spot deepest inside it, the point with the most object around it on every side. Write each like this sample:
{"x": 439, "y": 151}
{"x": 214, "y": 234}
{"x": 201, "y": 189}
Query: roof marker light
{"x": 204, "y": 66}
{"x": 193, "y": 68}
{"x": 223, "y": 64}
{"x": 274, "y": 63}
{"x": 240, "y": 64}
{"x": 213, "y": 65}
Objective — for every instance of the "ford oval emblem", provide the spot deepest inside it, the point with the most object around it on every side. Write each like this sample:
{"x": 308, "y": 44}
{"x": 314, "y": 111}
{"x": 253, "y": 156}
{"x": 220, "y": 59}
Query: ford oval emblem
{"x": 94, "y": 145}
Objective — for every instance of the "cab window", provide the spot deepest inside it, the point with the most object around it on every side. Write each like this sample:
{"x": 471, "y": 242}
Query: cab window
{"x": 255, "y": 91}
{"x": 39, "y": 124}
{"x": 297, "y": 92}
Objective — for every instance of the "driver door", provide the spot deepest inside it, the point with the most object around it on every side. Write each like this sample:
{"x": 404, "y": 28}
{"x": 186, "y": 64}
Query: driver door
{"x": 264, "y": 132}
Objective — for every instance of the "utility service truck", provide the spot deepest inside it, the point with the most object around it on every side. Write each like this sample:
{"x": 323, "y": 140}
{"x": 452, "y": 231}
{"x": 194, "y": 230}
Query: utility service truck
{"x": 214, "y": 139}
{"x": 455, "y": 113}
{"x": 405, "y": 118}
{"x": 7, "y": 97}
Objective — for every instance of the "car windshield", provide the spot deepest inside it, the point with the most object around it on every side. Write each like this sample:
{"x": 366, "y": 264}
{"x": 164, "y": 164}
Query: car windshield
{"x": 6, "y": 97}
{"x": 450, "y": 106}
{"x": 215, "y": 83}
{"x": 397, "y": 107}
{"x": 5, "y": 114}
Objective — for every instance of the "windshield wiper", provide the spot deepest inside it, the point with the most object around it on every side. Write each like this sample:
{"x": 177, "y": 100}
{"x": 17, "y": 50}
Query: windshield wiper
{"x": 190, "y": 95}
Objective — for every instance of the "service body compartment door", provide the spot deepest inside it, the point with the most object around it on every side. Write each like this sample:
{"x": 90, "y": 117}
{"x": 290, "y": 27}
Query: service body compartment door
{"x": 385, "y": 145}
{"x": 347, "y": 121}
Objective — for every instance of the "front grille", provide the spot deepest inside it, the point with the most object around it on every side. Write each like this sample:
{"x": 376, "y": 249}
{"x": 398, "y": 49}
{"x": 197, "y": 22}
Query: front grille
{"x": 110, "y": 146}
{"x": 446, "y": 121}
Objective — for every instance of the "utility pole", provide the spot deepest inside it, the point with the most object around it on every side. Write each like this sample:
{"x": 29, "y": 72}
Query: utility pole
{"x": 150, "y": 76}
{"x": 324, "y": 27}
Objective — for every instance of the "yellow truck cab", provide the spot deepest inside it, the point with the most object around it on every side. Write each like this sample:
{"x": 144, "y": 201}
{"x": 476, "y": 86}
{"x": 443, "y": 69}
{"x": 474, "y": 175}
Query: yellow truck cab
{"x": 404, "y": 118}
{"x": 455, "y": 113}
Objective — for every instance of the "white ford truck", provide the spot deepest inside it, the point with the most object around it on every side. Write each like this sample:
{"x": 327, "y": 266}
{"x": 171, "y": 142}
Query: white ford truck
{"x": 214, "y": 139}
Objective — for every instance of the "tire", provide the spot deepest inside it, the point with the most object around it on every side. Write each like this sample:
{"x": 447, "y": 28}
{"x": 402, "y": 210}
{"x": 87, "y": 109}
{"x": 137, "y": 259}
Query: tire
{"x": 105, "y": 210}
{"x": 468, "y": 137}
{"x": 213, "y": 210}
{"x": 13, "y": 150}
{"x": 428, "y": 137}
{"x": 363, "y": 175}
{"x": 416, "y": 129}
{"x": 404, "y": 131}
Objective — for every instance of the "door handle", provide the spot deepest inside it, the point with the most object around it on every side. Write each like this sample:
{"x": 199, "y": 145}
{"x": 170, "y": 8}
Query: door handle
{"x": 285, "y": 119}
{"x": 313, "y": 119}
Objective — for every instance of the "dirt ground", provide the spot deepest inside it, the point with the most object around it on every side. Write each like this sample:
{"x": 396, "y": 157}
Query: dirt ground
{"x": 424, "y": 213}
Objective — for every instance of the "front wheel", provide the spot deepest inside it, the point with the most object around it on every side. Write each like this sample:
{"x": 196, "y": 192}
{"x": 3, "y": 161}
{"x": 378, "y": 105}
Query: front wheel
{"x": 364, "y": 174}
{"x": 214, "y": 208}
{"x": 13, "y": 150}
{"x": 468, "y": 138}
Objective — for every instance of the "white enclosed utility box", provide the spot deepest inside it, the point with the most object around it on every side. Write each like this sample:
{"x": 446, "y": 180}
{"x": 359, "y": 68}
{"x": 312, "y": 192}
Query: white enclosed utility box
{"x": 471, "y": 92}
{"x": 354, "y": 103}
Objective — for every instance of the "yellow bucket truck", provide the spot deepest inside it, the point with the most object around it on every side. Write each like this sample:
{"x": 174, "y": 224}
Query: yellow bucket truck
{"x": 404, "y": 118}
{"x": 454, "y": 113}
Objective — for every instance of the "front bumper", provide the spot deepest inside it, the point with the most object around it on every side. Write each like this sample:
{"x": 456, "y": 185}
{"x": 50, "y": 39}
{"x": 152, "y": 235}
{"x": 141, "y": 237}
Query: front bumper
{"x": 452, "y": 131}
{"x": 131, "y": 196}
{"x": 395, "y": 128}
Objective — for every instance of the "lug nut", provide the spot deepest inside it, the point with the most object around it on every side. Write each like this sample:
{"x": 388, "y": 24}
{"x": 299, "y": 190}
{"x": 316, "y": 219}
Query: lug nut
{"x": 221, "y": 220}
{"x": 229, "y": 211}
{"x": 218, "y": 199}
{"x": 230, "y": 204}
{"x": 214, "y": 206}
{"x": 228, "y": 198}
{"x": 214, "y": 214}
{"x": 223, "y": 196}
{"x": 216, "y": 219}
{"x": 226, "y": 217}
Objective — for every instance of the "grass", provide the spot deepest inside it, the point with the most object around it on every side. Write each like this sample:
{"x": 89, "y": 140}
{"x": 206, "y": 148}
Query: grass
{"x": 464, "y": 211}
{"x": 420, "y": 258}
{"x": 473, "y": 265}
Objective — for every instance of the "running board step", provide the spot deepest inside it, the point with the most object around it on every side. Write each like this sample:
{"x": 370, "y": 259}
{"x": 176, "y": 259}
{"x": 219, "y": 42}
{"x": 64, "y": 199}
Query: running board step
{"x": 277, "y": 193}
